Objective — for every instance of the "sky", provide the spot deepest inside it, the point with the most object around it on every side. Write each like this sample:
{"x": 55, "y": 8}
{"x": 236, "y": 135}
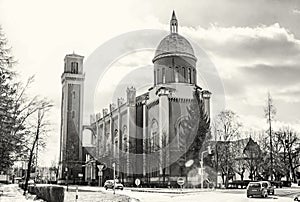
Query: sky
{"x": 254, "y": 46}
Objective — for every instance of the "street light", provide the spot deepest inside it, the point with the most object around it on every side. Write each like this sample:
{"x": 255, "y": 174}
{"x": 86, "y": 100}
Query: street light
{"x": 66, "y": 170}
{"x": 201, "y": 163}
{"x": 114, "y": 166}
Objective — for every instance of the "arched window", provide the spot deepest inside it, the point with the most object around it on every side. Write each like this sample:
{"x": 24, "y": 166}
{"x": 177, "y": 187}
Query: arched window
{"x": 176, "y": 74}
{"x": 124, "y": 138}
{"x": 154, "y": 136}
{"x": 154, "y": 77}
{"x": 189, "y": 75}
{"x": 182, "y": 132}
{"x": 194, "y": 76}
{"x": 163, "y": 75}
{"x": 184, "y": 74}
{"x": 157, "y": 79}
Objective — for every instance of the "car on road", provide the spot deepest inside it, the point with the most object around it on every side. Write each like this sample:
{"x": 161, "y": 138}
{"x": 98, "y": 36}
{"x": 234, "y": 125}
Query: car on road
{"x": 257, "y": 189}
{"x": 297, "y": 197}
{"x": 109, "y": 184}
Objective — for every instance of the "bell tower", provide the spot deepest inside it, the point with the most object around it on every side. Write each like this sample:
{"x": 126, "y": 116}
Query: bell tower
{"x": 70, "y": 160}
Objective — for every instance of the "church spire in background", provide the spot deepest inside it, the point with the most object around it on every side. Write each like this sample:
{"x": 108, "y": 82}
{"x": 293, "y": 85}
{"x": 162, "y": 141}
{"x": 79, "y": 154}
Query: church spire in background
{"x": 173, "y": 24}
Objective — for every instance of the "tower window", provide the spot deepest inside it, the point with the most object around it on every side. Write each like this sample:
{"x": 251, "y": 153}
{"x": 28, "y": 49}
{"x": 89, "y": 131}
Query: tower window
{"x": 74, "y": 67}
{"x": 157, "y": 80}
{"x": 184, "y": 73}
{"x": 73, "y": 94}
{"x": 154, "y": 77}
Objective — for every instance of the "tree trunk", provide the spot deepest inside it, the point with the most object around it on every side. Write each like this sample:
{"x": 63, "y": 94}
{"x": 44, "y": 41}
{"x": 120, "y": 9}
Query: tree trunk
{"x": 30, "y": 157}
{"x": 226, "y": 179}
{"x": 28, "y": 170}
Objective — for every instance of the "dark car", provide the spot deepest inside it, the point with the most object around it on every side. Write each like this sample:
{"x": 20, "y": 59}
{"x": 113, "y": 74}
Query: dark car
{"x": 257, "y": 189}
{"x": 109, "y": 184}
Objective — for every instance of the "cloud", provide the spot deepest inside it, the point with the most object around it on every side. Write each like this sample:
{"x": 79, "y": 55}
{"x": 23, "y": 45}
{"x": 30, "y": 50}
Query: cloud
{"x": 263, "y": 42}
{"x": 271, "y": 75}
{"x": 296, "y": 11}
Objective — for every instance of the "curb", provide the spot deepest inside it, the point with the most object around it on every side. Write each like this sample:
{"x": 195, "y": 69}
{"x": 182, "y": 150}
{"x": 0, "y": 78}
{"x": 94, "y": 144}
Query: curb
{"x": 169, "y": 192}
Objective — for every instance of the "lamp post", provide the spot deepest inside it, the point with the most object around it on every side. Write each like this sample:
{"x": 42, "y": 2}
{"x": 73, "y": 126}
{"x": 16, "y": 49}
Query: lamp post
{"x": 66, "y": 170}
{"x": 201, "y": 163}
{"x": 114, "y": 166}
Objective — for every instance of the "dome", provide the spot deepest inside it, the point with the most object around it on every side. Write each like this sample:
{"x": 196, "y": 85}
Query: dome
{"x": 174, "y": 45}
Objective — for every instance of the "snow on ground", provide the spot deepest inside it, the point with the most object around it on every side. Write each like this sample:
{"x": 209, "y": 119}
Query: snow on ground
{"x": 12, "y": 193}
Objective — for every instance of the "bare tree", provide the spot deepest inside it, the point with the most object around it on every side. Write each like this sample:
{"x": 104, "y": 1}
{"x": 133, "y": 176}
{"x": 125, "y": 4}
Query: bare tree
{"x": 36, "y": 133}
{"x": 270, "y": 112}
{"x": 289, "y": 142}
{"x": 228, "y": 126}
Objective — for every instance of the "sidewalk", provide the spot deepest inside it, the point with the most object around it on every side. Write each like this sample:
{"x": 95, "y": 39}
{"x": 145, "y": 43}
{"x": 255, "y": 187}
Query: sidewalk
{"x": 170, "y": 191}
{"x": 12, "y": 193}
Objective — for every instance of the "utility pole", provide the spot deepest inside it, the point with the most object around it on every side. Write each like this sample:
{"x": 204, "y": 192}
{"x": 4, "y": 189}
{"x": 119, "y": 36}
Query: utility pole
{"x": 270, "y": 134}
{"x": 114, "y": 166}
{"x": 201, "y": 164}
{"x": 37, "y": 149}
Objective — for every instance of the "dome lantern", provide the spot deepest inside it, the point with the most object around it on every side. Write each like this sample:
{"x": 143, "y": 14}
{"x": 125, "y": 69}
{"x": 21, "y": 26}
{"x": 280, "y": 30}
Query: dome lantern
{"x": 173, "y": 24}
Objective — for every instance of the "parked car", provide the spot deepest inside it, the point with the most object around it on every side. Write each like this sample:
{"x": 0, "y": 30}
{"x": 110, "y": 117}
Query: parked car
{"x": 270, "y": 187}
{"x": 257, "y": 189}
{"x": 109, "y": 184}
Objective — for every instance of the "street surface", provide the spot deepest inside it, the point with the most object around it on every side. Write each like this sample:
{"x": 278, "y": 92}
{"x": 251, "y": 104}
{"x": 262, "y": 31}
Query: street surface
{"x": 207, "y": 196}
{"x": 11, "y": 193}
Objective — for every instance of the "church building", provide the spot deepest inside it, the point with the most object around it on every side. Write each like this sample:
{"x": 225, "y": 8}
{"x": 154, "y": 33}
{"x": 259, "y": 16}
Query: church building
{"x": 139, "y": 135}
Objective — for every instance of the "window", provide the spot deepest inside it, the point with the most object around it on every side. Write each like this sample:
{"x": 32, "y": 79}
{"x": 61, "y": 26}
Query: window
{"x": 124, "y": 139}
{"x": 176, "y": 74}
{"x": 184, "y": 74}
{"x": 154, "y": 139}
{"x": 189, "y": 75}
{"x": 157, "y": 80}
{"x": 164, "y": 75}
{"x": 194, "y": 76}
{"x": 154, "y": 77}
{"x": 74, "y": 67}
{"x": 73, "y": 94}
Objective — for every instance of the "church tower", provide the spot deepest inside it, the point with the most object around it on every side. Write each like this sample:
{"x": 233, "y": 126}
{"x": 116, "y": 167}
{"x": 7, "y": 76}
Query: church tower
{"x": 70, "y": 161}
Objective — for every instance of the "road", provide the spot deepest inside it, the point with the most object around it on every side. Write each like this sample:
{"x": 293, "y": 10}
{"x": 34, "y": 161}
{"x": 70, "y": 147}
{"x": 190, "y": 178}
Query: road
{"x": 12, "y": 193}
{"x": 284, "y": 195}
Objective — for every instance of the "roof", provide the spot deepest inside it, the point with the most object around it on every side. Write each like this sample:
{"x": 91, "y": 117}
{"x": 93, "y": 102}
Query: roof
{"x": 174, "y": 44}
